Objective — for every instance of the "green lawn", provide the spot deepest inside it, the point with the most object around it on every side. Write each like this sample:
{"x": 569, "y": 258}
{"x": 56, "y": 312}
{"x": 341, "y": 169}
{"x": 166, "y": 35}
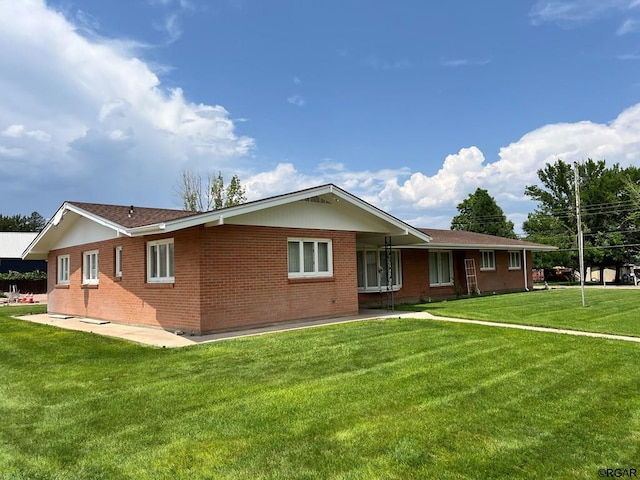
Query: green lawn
{"x": 366, "y": 400}
{"x": 610, "y": 310}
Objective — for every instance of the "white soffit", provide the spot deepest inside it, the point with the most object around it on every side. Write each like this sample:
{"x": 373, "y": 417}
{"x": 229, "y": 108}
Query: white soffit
{"x": 79, "y": 230}
{"x": 326, "y": 215}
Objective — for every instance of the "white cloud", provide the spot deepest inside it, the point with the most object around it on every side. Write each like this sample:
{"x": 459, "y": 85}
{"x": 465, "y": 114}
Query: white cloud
{"x": 629, "y": 56}
{"x": 506, "y": 178}
{"x": 378, "y": 63}
{"x": 11, "y": 153}
{"x": 459, "y": 62}
{"x": 629, "y": 26}
{"x": 86, "y": 119}
{"x": 464, "y": 62}
{"x": 430, "y": 200}
{"x": 283, "y": 178}
{"x": 569, "y": 12}
{"x": 170, "y": 25}
{"x": 328, "y": 165}
{"x": 78, "y": 108}
{"x": 297, "y": 100}
{"x": 19, "y": 131}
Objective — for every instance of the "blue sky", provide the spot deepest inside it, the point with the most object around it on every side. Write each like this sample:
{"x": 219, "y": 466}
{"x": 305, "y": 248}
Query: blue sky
{"x": 411, "y": 104}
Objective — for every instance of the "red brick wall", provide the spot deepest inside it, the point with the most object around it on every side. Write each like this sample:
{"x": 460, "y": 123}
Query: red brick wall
{"x": 415, "y": 282}
{"x": 244, "y": 278}
{"x": 501, "y": 279}
{"x": 225, "y": 277}
{"x": 131, "y": 299}
{"x": 415, "y": 277}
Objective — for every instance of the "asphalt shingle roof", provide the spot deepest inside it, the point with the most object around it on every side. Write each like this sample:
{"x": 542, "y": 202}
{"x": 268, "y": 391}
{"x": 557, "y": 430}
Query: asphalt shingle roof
{"x": 139, "y": 217}
{"x": 460, "y": 237}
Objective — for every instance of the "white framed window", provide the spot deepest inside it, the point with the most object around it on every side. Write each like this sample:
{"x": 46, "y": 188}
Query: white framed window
{"x": 118, "y": 262}
{"x": 309, "y": 257}
{"x": 515, "y": 262}
{"x": 440, "y": 268}
{"x": 63, "y": 270}
{"x": 90, "y": 267}
{"x": 372, "y": 270}
{"x": 487, "y": 260}
{"x": 160, "y": 262}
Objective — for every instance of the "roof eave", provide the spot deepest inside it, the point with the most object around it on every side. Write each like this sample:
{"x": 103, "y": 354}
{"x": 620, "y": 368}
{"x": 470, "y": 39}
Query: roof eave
{"x": 31, "y": 252}
{"x": 218, "y": 217}
{"x": 484, "y": 246}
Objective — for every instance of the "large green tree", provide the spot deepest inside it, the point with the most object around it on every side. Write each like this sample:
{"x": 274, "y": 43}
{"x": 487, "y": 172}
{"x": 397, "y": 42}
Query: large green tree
{"x": 607, "y": 213}
{"x": 480, "y": 213}
{"x": 22, "y": 223}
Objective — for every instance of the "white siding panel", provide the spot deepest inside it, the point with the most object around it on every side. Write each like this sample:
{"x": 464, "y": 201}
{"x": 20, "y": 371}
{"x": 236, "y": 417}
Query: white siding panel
{"x": 323, "y": 216}
{"x": 79, "y": 231}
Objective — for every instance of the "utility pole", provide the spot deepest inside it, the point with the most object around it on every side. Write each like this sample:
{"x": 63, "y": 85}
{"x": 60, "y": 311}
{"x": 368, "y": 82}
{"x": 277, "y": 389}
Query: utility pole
{"x": 580, "y": 235}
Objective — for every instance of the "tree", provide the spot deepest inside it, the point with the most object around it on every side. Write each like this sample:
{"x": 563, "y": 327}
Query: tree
{"x": 213, "y": 195}
{"x": 608, "y": 214}
{"x": 215, "y": 188}
{"x": 480, "y": 213}
{"x": 190, "y": 191}
{"x": 554, "y": 221}
{"x": 236, "y": 193}
{"x": 19, "y": 223}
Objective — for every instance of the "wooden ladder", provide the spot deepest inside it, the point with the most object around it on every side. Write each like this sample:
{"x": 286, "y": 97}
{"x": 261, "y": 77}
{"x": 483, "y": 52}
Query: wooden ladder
{"x": 472, "y": 279}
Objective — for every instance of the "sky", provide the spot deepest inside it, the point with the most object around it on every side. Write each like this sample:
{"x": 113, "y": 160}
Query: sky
{"x": 410, "y": 104}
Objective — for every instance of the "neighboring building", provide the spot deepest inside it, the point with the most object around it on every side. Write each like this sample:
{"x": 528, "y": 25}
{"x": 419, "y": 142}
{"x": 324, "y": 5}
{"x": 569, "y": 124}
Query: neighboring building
{"x": 313, "y": 253}
{"x": 12, "y": 244}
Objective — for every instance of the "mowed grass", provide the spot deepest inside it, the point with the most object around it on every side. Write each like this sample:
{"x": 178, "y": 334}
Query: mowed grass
{"x": 385, "y": 399}
{"x": 607, "y": 310}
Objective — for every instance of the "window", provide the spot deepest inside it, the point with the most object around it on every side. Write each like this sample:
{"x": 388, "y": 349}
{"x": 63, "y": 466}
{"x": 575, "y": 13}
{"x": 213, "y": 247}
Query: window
{"x": 63, "y": 269}
{"x": 514, "y": 261}
{"x": 160, "y": 261}
{"x": 487, "y": 260}
{"x": 90, "y": 267}
{"x": 440, "y": 268}
{"x": 309, "y": 258}
{"x": 118, "y": 261}
{"x": 372, "y": 270}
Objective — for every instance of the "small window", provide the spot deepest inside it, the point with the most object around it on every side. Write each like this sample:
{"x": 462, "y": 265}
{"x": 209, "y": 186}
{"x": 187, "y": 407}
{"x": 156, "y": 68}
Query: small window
{"x": 487, "y": 260}
{"x": 514, "y": 261}
{"x": 90, "y": 267}
{"x": 309, "y": 257}
{"x": 118, "y": 262}
{"x": 440, "y": 268}
{"x": 63, "y": 270}
{"x": 160, "y": 262}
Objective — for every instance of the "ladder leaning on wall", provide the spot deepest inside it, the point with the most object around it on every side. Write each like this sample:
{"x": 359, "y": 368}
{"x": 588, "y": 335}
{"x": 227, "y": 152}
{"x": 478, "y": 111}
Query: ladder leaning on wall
{"x": 472, "y": 279}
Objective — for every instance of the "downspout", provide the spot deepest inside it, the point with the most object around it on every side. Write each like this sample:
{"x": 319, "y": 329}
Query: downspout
{"x": 525, "y": 270}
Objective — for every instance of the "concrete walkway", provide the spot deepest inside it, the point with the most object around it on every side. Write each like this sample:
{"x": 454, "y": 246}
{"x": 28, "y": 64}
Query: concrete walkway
{"x": 166, "y": 339}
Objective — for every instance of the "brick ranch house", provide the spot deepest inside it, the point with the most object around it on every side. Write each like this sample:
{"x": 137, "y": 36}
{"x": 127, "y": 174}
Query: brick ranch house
{"x": 313, "y": 253}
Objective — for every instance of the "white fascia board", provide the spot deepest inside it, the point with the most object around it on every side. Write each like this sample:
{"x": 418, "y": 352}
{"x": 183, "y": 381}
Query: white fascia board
{"x": 58, "y": 217}
{"x": 170, "y": 226}
{"x": 30, "y": 248}
{"x": 34, "y": 242}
